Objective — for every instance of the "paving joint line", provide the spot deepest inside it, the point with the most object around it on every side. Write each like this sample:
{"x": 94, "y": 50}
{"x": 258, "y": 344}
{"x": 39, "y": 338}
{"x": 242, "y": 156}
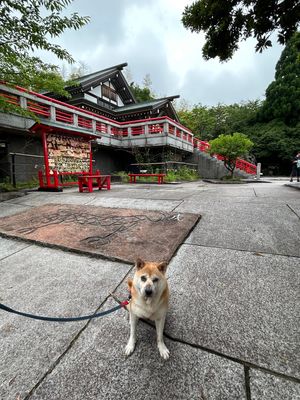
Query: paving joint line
{"x": 247, "y": 382}
{"x": 89, "y": 201}
{"x": 18, "y": 251}
{"x": 293, "y": 211}
{"x": 245, "y": 364}
{"x": 182, "y": 201}
{"x": 72, "y": 342}
{"x": 254, "y": 252}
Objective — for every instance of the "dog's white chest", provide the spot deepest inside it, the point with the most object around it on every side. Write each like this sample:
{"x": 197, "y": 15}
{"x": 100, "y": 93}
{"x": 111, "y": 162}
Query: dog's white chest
{"x": 148, "y": 311}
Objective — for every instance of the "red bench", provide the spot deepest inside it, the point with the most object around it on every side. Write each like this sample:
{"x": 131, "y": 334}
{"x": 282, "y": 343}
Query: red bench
{"x": 160, "y": 177}
{"x": 87, "y": 183}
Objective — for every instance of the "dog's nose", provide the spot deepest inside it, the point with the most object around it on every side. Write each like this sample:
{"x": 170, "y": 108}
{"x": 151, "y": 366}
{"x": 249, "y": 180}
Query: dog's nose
{"x": 148, "y": 291}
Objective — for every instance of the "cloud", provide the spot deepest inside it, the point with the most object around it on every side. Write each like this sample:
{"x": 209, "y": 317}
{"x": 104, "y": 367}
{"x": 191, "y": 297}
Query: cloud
{"x": 149, "y": 36}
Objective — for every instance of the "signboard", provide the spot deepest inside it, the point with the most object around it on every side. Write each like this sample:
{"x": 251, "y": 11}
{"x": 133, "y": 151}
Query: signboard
{"x": 67, "y": 153}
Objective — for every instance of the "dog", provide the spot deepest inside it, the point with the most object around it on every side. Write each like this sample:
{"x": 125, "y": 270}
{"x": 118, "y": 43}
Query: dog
{"x": 149, "y": 299}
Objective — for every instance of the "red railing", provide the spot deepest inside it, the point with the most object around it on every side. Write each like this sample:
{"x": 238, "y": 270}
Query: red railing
{"x": 155, "y": 128}
{"x": 240, "y": 164}
{"x": 85, "y": 122}
{"x": 11, "y": 98}
{"x": 38, "y": 108}
{"x": 137, "y": 130}
{"x": 66, "y": 113}
{"x": 64, "y": 116}
{"x": 155, "y": 125}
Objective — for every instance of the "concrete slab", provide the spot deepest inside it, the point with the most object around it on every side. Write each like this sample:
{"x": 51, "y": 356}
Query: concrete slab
{"x": 255, "y": 227}
{"x": 152, "y": 193}
{"x": 242, "y": 305}
{"x": 96, "y": 368}
{"x": 46, "y": 282}
{"x": 119, "y": 234}
{"x": 40, "y": 198}
{"x": 10, "y": 209}
{"x": 11, "y": 195}
{"x": 134, "y": 203}
{"x": 9, "y": 247}
{"x": 282, "y": 191}
{"x": 113, "y": 198}
{"x": 227, "y": 190}
{"x": 295, "y": 185}
{"x": 269, "y": 387}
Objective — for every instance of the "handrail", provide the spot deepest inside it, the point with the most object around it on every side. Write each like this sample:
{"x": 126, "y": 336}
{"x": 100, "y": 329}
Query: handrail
{"x": 97, "y": 123}
{"x": 41, "y": 109}
{"x": 240, "y": 163}
{"x": 97, "y": 115}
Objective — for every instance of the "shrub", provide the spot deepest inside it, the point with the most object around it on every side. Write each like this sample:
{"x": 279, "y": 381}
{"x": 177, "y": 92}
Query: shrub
{"x": 231, "y": 147}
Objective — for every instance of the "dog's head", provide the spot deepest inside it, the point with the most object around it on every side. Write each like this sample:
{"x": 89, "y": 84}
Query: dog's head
{"x": 149, "y": 278}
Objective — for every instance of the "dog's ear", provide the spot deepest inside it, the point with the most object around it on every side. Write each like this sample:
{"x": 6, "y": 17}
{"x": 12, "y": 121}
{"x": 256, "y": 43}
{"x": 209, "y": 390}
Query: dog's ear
{"x": 162, "y": 267}
{"x": 139, "y": 264}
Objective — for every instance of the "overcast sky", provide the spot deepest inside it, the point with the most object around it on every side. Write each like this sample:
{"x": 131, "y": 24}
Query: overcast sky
{"x": 149, "y": 36}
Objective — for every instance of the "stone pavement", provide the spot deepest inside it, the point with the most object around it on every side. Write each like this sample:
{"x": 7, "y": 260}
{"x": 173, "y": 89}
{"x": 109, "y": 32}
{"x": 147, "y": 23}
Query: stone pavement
{"x": 232, "y": 327}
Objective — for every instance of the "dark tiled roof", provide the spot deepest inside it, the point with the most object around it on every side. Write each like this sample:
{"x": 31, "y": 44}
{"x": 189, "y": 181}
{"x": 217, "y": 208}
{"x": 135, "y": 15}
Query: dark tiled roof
{"x": 150, "y": 104}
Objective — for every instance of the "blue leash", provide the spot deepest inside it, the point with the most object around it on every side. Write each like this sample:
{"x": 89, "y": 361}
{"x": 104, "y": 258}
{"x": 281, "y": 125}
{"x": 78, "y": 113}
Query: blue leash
{"x": 67, "y": 319}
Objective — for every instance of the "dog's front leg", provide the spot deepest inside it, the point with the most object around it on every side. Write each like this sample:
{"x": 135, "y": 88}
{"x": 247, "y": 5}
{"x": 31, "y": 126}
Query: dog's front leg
{"x": 132, "y": 338}
{"x": 163, "y": 350}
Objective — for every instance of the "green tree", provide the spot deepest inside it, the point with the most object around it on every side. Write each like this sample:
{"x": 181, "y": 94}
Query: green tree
{"x": 225, "y": 23}
{"x": 198, "y": 120}
{"x": 141, "y": 94}
{"x": 144, "y": 92}
{"x": 26, "y": 26}
{"x": 209, "y": 122}
{"x": 231, "y": 147}
{"x": 283, "y": 94}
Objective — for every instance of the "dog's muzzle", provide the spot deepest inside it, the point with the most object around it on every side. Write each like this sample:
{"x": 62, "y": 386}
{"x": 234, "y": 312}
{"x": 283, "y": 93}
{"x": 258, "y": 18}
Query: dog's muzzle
{"x": 148, "y": 291}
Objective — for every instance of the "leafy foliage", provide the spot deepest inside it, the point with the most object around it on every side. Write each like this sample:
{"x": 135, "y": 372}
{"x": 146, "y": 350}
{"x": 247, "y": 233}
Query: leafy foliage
{"x": 225, "y": 23}
{"x": 182, "y": 174}
{"x": 283, "y": 94}
{"x": 275, "y": 145}
{"x": 25, "y": 26}
{"x": 141, "y": 94}
{"x": 144, "y": 92}
{"x": 273, "y": 125}
{"x": 231, "y": 147}
{"x": 209, "y": 122}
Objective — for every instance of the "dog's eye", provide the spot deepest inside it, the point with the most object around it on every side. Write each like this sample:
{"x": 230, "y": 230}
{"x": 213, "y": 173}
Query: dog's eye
{"x": 143, "y": 278}
{"x": 155, "y": 280}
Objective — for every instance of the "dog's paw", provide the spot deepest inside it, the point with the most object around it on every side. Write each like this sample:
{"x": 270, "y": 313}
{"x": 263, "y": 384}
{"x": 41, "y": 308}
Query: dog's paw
{"x": 163, "y": 351}
{"x": 129, "y": 348}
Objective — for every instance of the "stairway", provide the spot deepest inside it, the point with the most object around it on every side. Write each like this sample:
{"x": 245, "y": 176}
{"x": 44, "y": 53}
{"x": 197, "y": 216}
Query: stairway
{"x": 212, "y": 168}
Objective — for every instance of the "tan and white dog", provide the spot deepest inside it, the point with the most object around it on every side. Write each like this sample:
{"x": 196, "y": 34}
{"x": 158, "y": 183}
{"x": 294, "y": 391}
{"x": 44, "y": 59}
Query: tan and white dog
{"x": 149, "y": 299}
